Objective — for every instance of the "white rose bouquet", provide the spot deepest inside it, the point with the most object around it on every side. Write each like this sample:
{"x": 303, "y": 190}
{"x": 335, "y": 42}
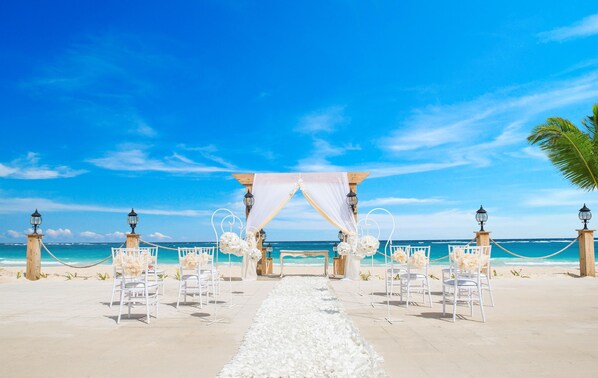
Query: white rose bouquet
{"x": 344, "y": 249}
{"x": 418, "y": 259}
{"x": 367, "y": 246}
{"x": 254, "y": 254}
{"x": 230, "y": 243}
{"x": 399, "y": 256}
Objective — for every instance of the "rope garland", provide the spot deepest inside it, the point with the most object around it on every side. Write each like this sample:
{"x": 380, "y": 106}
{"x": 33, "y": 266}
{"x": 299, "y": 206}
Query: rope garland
{"x": 159, "y": 246}
{"x": 70, "y": 265}
{"x": 533, "y": 258}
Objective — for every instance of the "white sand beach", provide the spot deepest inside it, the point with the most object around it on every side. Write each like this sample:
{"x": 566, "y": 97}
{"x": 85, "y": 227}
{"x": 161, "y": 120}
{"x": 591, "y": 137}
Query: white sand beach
{"x": 546, "y": 325}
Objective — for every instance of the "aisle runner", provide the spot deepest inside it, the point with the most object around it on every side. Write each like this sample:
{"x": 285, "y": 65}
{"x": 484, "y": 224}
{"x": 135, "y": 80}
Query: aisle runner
{"x": 301, "y": 331}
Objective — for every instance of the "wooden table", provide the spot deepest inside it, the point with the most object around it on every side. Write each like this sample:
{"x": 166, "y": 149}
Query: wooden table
{"x": 309, "y": 253}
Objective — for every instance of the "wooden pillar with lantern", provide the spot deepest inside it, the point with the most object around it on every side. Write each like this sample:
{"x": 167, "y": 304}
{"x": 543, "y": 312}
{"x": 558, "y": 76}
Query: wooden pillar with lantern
{"x": 355, "y": 178}
{"x": 482, "y": 237}
{"x": 133, "y": 238}
{"x": 587, "y": 259}
{"x": 34, "y": 255}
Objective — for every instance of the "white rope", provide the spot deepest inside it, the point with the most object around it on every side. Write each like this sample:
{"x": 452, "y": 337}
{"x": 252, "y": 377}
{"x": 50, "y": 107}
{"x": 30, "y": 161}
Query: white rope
{"x": 70, "y": 265}
{"x": 532, "y": 258}
{"x": 159, "y": 246}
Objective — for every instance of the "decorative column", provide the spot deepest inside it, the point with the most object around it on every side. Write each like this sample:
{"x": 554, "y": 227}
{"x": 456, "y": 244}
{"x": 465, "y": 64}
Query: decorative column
{"x": 34, "y": 257}
{"x": 587, "y": 261}
{"x": 133, "y": 240}
{"x": 482, "y": 238}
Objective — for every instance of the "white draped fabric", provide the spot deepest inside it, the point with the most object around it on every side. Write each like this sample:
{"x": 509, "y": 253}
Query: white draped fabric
{"x": 326, "y": 192}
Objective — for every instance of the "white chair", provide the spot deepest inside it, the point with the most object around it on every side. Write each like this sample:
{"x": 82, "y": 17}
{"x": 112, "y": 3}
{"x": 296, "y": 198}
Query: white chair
{"x": 486, "y": 270}
{"x": 135, "y": 287}
{"x": 192, "y": 279}
{"x": 211, "y": 269}
{"x": 417, "y": 278}
{"x": 117, "y": 256}
{"x": 465, "y": 285}
{"x": 396, "y": 268}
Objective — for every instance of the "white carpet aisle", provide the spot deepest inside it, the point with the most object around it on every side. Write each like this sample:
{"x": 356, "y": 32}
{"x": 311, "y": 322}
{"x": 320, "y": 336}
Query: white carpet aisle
{"x": 301, "y": 331}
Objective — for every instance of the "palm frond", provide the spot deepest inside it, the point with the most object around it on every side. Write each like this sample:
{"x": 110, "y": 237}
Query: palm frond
{"x": 570, "y": 150}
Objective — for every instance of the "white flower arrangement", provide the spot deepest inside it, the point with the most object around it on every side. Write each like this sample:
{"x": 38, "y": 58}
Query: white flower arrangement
{"x": 132, "y": 266}
{"x": 118, "y": 259}
{"x": 254, "y": 254}
{"x": 193, "y": 260}
{"x": 418, "y": 259}
{"x": 456, "y": 254}
{"x": 243, "y": 248}
{"x": 367, "y": 246}
{"x": 343, "y": 249}
{"x": 230, "y": 243}
{"x": 469, "y": 262}
{"x": 400, "y": 256}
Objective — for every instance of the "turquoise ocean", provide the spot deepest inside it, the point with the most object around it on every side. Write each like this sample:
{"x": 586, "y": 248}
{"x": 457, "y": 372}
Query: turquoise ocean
{"x": 85, "y": 253}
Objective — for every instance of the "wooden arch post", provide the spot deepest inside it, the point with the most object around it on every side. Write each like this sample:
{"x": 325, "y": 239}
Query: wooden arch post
{"x": 246, "y": 179}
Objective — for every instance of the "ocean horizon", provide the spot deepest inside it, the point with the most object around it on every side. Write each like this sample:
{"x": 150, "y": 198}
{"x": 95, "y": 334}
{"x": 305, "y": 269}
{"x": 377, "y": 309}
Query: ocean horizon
{"x": 13, "y": 254}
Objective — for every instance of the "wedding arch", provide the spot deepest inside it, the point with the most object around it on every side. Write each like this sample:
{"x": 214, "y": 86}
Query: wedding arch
{"x": 326, "y": 192}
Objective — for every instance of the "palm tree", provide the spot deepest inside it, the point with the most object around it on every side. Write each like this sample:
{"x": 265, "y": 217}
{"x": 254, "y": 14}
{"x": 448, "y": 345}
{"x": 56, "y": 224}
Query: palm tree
{"x": 573, "y": 151}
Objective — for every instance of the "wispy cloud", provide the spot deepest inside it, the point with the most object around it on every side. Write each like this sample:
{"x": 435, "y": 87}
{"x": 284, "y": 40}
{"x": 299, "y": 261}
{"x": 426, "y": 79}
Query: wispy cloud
{"x": 137, "y": 158}
{"x": 323, "y": 121}
{"x": 159, "y": 236}
{"x": 497, "y": 121}
{"x": 585, "y": 27}
{"x": 91, "y": 235}
{"x": 558, "y": 197}
{"x": 14, "y": 234}
{"x": 25, "y": 204}
{"x": 389, "y": 201}
{"x": 29, "y": 168}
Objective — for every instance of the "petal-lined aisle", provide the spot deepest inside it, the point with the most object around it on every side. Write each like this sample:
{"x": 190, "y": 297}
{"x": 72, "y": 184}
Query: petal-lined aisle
{"x": 301, "y": 330}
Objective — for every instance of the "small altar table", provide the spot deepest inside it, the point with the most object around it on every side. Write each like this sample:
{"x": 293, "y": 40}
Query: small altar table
{"x": 322, "y": 253}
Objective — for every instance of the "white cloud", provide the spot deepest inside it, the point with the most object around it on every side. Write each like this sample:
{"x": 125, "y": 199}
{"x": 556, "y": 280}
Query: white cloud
{"x": 386, "y": 201}
{"x": 20, "y": 204}
{"x": 91, "y": 235}
{"x": 117, "y": 235}
{"x": 145, "y": 130}
{"x": 324, "y": 121}
{"x": 13, "y": 234}
{"x": 28, "y": 168}
{"x": 136, "y": 158}
{"x": 159, "y": 236}
{"x": 571, "y": 198}
{"x": 59, "y": 233}
{"x": 585, "y": 27}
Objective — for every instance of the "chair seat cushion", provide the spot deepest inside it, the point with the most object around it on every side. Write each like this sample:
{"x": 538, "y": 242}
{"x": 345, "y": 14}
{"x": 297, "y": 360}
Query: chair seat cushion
{"x": 461, "y": 283}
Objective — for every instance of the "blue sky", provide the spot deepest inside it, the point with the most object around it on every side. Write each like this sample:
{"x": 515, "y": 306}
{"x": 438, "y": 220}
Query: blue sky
{"x": 154, "y": 106}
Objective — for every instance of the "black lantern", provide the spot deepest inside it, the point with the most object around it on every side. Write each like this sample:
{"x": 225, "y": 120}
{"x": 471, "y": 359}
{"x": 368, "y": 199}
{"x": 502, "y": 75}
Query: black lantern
{"x": 133, "y": 219}
{"x": 335, "y": 249}
{"x": 341, "y": 236}
{"x": 248, "y": 200}
{"x": 352, "y": 200}
{"x": 269, "y": 250}
{"x": 36, "y": 220}
{"x": 481, "y": 216}
{"x": 263, "y": 235}
{"x": 585, "y": 215}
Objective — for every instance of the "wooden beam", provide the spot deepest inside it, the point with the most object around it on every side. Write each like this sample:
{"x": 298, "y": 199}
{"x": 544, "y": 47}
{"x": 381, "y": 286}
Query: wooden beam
{"x": 244, "y": 178}
{"x": 357, "y": 177}
{"x": 354, "y": 177}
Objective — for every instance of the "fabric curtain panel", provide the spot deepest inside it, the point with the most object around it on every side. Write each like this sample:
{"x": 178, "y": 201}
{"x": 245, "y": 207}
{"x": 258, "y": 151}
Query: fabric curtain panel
{"x": 271, "y": 192}
{"x": 327, "y": 193}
